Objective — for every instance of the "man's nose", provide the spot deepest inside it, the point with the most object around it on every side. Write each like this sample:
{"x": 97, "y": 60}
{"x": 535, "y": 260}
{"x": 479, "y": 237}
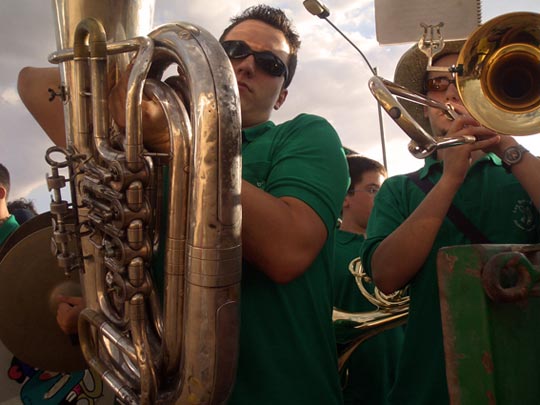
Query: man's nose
{"x": 246, "y": 65}
{"x": 452, "y": 93}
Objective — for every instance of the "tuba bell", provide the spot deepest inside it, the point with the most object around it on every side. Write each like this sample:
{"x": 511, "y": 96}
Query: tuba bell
{"x": 498, "y": 79}
{"x": 178, "y": 345}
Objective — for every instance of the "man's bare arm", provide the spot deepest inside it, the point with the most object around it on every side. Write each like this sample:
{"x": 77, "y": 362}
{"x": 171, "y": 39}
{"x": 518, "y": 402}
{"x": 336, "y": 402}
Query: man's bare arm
{"x": 280, "y": 236}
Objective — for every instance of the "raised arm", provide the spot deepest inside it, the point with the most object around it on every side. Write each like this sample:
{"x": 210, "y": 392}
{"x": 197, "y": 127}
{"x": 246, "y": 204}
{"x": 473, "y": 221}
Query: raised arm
{"x": 402, "y": 253}
{"x": 527, "y": 171}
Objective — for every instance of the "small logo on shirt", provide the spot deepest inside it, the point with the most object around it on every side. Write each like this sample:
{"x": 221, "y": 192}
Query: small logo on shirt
{"x": 523, "y": 216}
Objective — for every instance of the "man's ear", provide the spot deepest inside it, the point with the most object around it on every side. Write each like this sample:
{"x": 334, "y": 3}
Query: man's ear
{"x": 2, "y": 193}
{"x": 346, "y": 202}
{"x": 281, "y": 99}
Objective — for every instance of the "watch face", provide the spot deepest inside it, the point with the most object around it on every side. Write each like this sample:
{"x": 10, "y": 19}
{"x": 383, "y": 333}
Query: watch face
{"x": 513, "y": 154}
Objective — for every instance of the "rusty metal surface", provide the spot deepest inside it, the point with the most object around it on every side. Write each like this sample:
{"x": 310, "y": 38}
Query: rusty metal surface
{"x": 491, "y": 341}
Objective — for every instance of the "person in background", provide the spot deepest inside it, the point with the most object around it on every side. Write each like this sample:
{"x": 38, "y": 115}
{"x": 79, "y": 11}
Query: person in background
{"x": 8, "y": 223}
{"x": 494, "y": 182}
{"x": 22, "y": 209}
{"x": 370, "y": 371}
{"x": 20, "y": 382}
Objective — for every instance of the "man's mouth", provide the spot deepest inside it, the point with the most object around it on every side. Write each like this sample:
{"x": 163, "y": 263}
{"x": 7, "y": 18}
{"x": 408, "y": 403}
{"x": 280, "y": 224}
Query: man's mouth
{"x": 458, "y": 109}
{"x": 242, "y": 85}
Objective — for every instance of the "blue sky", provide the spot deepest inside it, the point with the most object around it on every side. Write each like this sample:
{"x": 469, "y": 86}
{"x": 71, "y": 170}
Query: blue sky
{"x": 331, "y": 79}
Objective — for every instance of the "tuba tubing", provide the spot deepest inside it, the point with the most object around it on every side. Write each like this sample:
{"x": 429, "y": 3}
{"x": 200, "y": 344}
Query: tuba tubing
{"x": 186, "y": 352}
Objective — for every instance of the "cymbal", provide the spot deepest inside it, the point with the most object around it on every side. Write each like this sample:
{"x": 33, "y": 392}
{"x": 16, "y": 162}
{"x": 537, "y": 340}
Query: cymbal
{"x": 30, "y": 279}
{"x": 38, "y": 222}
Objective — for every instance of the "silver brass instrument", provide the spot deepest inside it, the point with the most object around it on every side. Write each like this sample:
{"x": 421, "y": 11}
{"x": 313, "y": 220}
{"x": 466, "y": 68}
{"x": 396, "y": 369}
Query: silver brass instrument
{"x": 497, "y": 77}
{"x": 181, "y": 349}
{"x": 392, "y": 311}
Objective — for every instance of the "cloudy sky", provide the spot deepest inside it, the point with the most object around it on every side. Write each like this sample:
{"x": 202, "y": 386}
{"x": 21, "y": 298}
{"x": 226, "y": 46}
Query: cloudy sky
{"x": 331, "y": 79}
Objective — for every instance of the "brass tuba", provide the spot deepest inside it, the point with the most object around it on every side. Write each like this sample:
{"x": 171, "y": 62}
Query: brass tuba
{"x": 181, "y": 348}
{"x": 497, "y": 77}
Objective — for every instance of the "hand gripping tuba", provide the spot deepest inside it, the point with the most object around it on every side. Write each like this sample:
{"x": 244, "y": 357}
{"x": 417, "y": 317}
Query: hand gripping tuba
{"x": 182, "y": 348}
{"x": 497, "y": 77}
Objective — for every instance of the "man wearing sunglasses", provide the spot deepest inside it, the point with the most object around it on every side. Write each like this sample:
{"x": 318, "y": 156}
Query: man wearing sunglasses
{"x": 494, "y": 182}
{"x": 295, "y": 180}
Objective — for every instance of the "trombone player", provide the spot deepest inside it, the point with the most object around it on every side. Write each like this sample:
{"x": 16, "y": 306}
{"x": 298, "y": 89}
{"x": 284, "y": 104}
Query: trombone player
{"x": 494, "y": 182}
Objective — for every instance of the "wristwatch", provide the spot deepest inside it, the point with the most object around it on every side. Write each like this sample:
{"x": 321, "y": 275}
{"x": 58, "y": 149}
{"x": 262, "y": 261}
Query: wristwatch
{"x": 512, "y": 156}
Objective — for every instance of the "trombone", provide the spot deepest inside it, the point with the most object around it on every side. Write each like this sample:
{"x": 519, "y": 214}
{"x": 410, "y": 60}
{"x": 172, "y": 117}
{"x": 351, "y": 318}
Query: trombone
{"x": 497, "y": 77}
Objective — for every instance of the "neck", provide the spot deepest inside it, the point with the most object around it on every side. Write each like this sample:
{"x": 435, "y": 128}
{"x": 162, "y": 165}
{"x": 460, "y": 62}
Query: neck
{"x": 352, "y": 228}
{"x": 4, "y": 213}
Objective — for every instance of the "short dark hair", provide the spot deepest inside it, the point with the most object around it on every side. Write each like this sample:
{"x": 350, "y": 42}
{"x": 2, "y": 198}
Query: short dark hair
{"x": 276, "y": 18}
{"x": 4, "y": 178}
{"x": 22, "y": 204}
{"x": 358, "y": 165}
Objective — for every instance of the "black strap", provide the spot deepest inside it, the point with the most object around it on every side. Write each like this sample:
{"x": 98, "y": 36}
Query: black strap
{"x": 454, "y": 214}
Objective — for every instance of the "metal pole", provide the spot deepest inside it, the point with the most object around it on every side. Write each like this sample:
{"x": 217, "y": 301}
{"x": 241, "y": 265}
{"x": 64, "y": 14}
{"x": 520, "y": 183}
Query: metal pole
{"x": 381, "y": 129}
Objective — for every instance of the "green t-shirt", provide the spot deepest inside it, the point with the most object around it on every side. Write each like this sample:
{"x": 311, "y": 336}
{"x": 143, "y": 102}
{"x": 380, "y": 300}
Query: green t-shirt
{"x": 371, "y": 368}
{"x": 495, "y": 203}
{"x": 287, "y": 346}
{"x": 8, "y": 228}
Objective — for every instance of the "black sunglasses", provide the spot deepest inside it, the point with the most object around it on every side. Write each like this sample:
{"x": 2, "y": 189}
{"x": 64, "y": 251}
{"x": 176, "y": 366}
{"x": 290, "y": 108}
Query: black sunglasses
{"x": 266, "y": 60}
{"x": 439, "y": 83}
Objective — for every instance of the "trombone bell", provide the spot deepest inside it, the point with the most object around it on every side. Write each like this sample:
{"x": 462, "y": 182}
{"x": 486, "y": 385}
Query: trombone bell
{"x": 500, "y": 79}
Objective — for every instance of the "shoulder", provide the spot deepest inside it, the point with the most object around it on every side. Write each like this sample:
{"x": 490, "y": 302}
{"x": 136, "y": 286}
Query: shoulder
{"x": 310, "y": 131}
{"x": 396, "y": 182}
{"x": 303, "y": 121}
{"x": 395, "y": 194}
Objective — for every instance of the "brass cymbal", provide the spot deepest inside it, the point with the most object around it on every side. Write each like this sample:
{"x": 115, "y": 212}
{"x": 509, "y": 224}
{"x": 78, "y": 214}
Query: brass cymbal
{"x": 38, "y": 222}
{"x": 30, "y": 279}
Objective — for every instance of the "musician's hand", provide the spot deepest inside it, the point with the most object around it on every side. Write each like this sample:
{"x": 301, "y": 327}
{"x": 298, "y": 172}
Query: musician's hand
{"x": 154, "y": 123}
{"x": 67, "y": 313}
{"x": 505, "y": 142}
{"x": 458, "y": 159}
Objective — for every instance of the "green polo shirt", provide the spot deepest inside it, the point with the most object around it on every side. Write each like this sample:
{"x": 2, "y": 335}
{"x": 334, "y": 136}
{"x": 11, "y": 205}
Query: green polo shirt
{"x": 287, "y": 346}
{"x": 495, "y": 202}
{"x": 8, "y": 228}
{"x": 371, "y": 368}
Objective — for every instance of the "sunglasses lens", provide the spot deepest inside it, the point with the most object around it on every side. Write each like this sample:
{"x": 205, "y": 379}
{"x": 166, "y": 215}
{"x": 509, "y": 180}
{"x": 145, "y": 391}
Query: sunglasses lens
{"x": 267, "y": 61}
{"x": 236, "y": 49}
{"x": 270, "y": 64}
{"x": 439, "y": 83}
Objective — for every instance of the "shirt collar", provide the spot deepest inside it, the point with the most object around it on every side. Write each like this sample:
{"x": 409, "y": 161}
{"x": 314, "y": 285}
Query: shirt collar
{"x": 347, "y": 237}
{"x": 252, "y": 133}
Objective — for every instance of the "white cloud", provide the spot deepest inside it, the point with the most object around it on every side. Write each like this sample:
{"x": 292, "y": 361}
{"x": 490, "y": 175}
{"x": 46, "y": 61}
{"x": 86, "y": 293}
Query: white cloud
{"x": 9, "y": 96}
